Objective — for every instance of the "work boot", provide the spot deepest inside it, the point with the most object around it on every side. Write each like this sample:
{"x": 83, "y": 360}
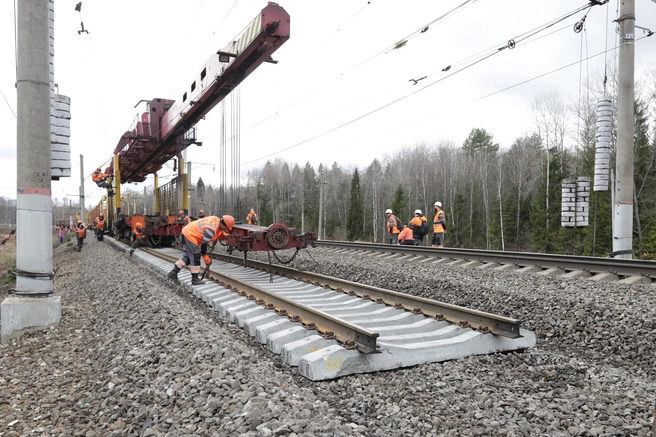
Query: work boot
{"x": 173, "y": 274}
{"x": 195, "y": 280}
{"x": 131, "y": 252}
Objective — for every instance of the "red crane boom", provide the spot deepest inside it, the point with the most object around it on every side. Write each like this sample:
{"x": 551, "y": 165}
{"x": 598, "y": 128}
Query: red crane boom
{"x": 168, "y": 126}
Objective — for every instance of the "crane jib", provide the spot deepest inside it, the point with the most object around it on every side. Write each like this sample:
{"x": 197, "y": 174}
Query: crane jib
{"x": 167, "y": 127}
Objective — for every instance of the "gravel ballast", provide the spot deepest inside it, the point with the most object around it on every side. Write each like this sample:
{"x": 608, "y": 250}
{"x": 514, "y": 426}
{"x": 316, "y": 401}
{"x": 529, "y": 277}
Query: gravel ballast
{"x": 137, "y": 355}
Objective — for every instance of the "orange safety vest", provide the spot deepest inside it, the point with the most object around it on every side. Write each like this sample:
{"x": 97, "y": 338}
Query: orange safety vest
{"x": 81, "y": 232}
{"x": 437, "y": 223}
{"x": 392, "y": 227}
{"x": 406, "y": 234}
{"x": 138, "y": 233}
{"x": 249, "y": 218}
{"x": 196, "y": 231}
{"x": 96, "y": 176}
{"x": 100, "y": 222}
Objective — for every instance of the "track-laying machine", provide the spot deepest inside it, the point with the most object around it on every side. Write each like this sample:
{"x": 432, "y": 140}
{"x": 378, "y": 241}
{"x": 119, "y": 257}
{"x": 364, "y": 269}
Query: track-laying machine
{"x": 168, "y": 127}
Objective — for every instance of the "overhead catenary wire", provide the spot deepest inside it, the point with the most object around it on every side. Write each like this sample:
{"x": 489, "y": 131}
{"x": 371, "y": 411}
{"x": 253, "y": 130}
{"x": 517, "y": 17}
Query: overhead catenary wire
{"x": 479, "y": 56}
{"x": 311, "y": 64}
{"x": 420, "y": 30}
{"x": 6, "y": 101}
{"x": 521, "y": 37}
{"x": 451, "y": 108}
{"x": 400, "y": 43}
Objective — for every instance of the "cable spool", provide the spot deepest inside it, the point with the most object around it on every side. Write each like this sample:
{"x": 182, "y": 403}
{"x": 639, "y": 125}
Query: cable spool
{"x": 602, "y": 145}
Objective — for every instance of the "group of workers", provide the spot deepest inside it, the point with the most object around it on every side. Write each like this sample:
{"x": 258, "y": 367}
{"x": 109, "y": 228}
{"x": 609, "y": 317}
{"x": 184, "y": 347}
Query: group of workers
{"x": 412, "y": 233}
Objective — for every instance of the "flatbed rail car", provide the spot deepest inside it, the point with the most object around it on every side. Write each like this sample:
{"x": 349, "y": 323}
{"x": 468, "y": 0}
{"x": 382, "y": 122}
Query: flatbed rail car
{"x": 164, "y": 231}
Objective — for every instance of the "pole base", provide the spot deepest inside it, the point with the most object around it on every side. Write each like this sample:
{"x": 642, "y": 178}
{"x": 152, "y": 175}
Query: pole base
{"x": 24, "y": 314}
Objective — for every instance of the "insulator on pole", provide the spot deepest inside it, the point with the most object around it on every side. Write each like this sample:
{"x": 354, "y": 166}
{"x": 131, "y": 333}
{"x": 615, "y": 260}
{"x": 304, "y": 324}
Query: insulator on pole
{"x": 603, "y": 141}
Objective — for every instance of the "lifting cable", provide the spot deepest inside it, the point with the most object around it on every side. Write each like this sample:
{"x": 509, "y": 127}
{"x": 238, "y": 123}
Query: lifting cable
{"x": 421, "y": 30}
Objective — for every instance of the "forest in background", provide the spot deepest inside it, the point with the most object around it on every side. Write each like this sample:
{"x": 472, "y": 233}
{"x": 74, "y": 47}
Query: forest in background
{"x": 495, "y": 197}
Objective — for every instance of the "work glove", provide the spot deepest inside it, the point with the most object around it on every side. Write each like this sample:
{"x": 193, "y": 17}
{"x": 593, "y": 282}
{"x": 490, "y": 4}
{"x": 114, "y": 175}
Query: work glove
{"x": 207, "y": 260}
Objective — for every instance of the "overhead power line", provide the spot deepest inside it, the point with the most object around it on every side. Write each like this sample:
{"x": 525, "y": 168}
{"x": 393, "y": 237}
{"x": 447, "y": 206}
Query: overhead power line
{"x": 420, "y": 30}
{"x": 510, "y": 45}
{"x": 10, "y": 108}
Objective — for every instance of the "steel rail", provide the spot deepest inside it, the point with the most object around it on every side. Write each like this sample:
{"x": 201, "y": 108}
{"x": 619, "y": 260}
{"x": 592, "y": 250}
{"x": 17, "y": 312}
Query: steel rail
{"x": 616, "y": 266}
{"x": 465, "y": 317}
{"x": 347, "y": 333}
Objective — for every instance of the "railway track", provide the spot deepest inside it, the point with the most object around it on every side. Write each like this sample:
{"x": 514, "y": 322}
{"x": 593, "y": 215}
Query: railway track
{"x": 626, "y": 271}
{"x": 329, "y": 327}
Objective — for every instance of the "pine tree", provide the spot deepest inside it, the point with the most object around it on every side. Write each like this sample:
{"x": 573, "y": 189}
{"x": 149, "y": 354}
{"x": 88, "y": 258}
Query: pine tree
{"x": 400, "y": 203}
{"x": 644, "y": 179}
{"x": 546, "y": 235}
{"x": 355, "y": 215}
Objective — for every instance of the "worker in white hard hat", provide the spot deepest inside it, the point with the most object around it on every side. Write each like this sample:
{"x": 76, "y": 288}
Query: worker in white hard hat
{"x": 394, "y": 226}
{"x": 439, "y": 226}
{"x": 419, "y": 227}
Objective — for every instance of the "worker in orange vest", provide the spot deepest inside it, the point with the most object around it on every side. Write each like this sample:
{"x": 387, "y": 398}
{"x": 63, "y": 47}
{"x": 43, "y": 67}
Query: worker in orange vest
{"x": 100, "y": 225}
{"x": 419, "y": 227}
{"x": 439, "y": 226}
{"x": 394, "y": 226}
{"x": 251, "y": 218}
{"x": 196, "y": 236}
{"x": 81, "y": 234}
{"x": 100, "y": 178}
{"x": 139, "y": 238}
{"x": 405, "y": 236}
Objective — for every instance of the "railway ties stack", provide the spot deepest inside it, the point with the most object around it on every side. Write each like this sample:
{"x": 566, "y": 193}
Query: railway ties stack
{"x": 329, "y": 333}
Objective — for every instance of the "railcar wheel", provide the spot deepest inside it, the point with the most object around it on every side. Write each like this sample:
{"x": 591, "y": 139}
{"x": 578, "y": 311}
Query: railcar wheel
{"x": 278, "y": 236}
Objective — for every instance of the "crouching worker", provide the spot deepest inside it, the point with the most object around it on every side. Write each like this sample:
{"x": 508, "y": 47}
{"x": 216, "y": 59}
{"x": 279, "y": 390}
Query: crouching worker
{"x": 405, "y": 236}
{"x": 195, "y": 238}
{"x": 138, "y": 238}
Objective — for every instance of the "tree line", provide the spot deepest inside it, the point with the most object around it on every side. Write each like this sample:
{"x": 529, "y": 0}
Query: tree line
{"x": 495, "y": 197}
{"x": 501, "y": 198}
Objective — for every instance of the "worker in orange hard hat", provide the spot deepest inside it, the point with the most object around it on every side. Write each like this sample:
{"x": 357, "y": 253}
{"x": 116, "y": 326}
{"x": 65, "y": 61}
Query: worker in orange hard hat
{"x": 139, "y": 238}
{"x": 251, "y": 218}
{"x": 100, "y": 178}
{"x": 100, "y": 226}
{"x": 197, "y": 235}
{"x": 81, "y": 234}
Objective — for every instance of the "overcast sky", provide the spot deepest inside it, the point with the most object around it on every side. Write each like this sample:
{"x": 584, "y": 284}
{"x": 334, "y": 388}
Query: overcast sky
{"x": 340, "y": 92}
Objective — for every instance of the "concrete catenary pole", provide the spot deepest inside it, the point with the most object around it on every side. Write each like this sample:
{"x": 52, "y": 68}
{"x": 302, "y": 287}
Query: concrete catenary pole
{"x": 34, "y": 306}
{"x": 320, "y": 204}
{"x": 82, "y": 189}
{"x": 623, "y": 223}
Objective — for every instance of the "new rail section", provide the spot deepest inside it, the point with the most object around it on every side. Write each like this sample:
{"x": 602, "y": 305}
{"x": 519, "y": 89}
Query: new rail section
{"x": 329, "y": 327}
{"x": 629, "y": 270}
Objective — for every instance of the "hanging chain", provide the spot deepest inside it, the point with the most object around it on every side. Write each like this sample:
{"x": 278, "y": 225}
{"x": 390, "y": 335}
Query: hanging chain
{"x": 289, "y": 260}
